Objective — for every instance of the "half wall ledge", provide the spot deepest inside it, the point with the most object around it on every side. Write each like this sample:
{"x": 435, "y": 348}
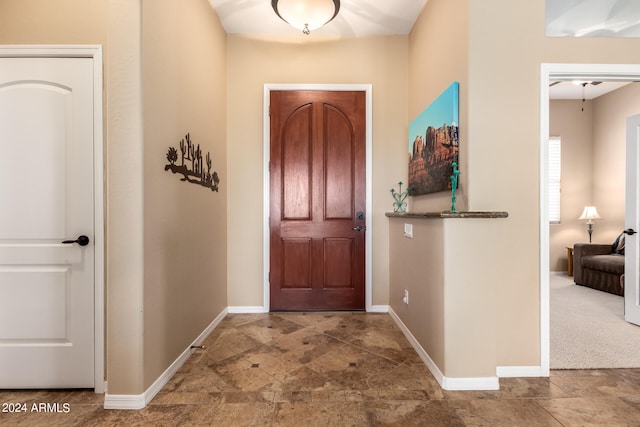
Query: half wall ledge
{"x": 445, "y": 283}
{"x": 448, "y": 214}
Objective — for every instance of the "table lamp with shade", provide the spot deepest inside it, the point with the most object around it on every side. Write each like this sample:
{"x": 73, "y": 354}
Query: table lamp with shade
{"x": 590, "y": 213}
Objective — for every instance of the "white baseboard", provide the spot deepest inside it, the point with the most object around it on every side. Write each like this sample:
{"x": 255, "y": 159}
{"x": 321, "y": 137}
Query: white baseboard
{"x": 471, "y": 384}
{"x": 125, "y": 401}
{"x": 520, "y": 371}
{"x": 559, "y": 273}
{"x": 447, "y": 383}
{"x": 246, "y": 309}
{"x": 378, "y": 309}
{"x": 433, "y": 368}
{"x": 139, "y": 401}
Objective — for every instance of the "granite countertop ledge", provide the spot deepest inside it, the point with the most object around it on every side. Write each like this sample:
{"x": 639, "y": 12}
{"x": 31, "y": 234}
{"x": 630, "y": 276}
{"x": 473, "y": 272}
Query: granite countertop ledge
{"x": 448, "y": 214}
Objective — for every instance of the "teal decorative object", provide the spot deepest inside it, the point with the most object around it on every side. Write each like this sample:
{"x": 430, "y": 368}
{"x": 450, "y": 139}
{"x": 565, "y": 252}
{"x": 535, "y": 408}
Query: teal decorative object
{"x": 400, "y": 205}
{"x": 454, "y": 185}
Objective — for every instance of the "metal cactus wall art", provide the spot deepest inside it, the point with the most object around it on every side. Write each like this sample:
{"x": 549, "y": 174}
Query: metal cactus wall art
{"x": 191, "y": 167}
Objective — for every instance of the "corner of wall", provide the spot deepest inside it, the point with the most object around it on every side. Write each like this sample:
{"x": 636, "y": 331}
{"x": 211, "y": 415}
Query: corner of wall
{"x": 124, "y": 199}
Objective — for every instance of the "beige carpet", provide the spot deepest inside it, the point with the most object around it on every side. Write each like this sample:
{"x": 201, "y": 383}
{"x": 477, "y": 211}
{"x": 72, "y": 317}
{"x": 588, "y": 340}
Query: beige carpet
{"x": 588, "y": 329}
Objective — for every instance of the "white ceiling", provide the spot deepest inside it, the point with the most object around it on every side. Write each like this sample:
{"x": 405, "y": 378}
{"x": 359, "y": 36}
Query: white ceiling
{"x": 593, "y": 18}
{"x": 564, "y": 18}
{"x": 570, "y": 90}
{"x": 590, "y": 18}
{"x": 568, "y": 18}
{"x": 356, "y": 18}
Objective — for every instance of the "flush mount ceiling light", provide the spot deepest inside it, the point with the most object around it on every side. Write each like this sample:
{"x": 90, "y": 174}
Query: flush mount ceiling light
{"x": 306, "y": 15}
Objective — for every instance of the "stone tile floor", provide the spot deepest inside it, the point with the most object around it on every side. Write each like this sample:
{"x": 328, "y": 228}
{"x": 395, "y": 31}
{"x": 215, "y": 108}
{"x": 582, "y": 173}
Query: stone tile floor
{"x": 338, "y": 369}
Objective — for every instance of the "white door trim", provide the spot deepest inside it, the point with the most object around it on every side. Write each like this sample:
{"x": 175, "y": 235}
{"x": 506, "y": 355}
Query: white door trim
{"x": 631, "y": 307}
{"x": 368, "y": 89}
{"x": 95, "y": 53}
{"x": 599, "y": 72}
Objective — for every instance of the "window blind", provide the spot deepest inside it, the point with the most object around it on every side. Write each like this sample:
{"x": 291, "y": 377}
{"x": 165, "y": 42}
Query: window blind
{"x": 554, "y": 168}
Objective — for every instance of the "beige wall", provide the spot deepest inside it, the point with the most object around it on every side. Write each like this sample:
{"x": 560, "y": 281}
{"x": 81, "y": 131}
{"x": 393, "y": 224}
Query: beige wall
{"x": 185, "y": 262}
{"x": 473, "y": 277}
{"x": 452, "y": 308}
{"x": 124, "y": 227}
{"x": 507, "y": 46}
{"x": 114, "y": 24}
{"x": 252, "y": 62}
{"x": 609, "y": 153}
{"x": 417, "y": 265}
{"x": 504, "y": 69}
{"x": 442, "y": 45}
{"x": 152, "y": 315}
{"x": 500, "y": 136}
{"x": 439, "y": 56}
{"x": 575, "y": 128}
{"x": 59, "y": 22}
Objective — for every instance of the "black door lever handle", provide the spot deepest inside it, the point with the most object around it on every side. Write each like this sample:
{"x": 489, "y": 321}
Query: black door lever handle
{"x": 630, "y": 231}
{"x": 81, "y": 240}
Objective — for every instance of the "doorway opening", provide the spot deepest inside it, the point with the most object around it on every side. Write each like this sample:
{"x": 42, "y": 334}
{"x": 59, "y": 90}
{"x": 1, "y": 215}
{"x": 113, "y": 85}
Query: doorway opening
{"x": 367, "y": 89}
{"x": 550, "y": 73}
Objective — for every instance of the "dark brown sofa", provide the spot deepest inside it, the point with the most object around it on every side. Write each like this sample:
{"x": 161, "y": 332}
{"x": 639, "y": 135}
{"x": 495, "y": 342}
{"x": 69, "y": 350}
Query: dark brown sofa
{"x": 599, "y": 267}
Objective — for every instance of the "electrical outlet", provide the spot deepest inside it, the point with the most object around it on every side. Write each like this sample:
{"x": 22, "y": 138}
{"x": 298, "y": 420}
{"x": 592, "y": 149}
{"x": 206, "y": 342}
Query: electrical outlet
{"x": 408, "y": 231}
{"x": 405, "y": 298}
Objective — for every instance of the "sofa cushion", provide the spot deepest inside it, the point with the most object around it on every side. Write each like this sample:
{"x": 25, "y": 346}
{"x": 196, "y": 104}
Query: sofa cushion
{"x": 608, "y": 263}
{"x": 618, "y": 245}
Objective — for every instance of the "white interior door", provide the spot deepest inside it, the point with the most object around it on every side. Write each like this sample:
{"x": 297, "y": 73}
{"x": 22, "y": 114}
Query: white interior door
{"x": 46, "y": 197}
{"x": 631, "y": 277}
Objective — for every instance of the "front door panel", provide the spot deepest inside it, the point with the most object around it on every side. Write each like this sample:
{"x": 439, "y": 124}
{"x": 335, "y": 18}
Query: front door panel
{"x": 317, "y": 189}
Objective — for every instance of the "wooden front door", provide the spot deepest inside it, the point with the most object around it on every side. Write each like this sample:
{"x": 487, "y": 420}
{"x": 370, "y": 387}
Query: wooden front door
{"x": 318, "y": 179}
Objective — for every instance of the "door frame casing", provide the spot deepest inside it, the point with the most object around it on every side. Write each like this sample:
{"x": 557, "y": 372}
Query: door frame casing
{"x": 548, "y": 72}
{"x": 631, "y": 270}
{"x": 367, "y": 88}
{"x": 93, "y": 52}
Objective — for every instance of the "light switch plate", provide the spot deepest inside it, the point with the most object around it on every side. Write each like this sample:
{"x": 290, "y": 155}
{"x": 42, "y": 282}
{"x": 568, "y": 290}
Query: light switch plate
{"x": 408, "y": 231}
